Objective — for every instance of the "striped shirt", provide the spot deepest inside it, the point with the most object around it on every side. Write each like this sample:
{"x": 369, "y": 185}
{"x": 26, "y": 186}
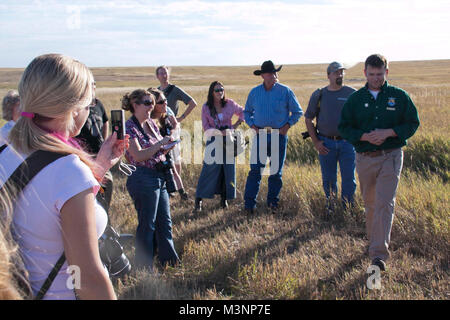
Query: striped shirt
{"x": 273, "y": 108}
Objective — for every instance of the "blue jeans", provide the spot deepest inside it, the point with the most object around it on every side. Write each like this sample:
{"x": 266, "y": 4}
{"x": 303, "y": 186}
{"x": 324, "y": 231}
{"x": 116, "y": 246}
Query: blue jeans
{"x": 343, "y": 152}
{"x": 147, "y": 188}
{"x": 275, "y": 178}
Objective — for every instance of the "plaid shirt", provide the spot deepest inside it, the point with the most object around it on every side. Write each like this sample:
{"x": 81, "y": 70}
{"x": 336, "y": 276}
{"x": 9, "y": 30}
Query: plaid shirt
{"x": 145, "y": 142}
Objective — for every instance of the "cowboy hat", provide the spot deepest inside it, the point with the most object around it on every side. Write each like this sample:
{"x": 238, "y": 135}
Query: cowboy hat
{"x": 267, "y": 67}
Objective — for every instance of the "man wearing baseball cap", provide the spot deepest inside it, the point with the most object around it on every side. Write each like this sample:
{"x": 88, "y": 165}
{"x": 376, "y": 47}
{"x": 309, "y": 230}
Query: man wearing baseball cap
{"x": 325, "y": 105}
{"x": 271, "y": 109}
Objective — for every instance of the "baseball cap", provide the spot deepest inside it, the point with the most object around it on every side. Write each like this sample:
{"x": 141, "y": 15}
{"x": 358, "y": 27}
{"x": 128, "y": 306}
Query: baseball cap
{"x": 334, "y": 66}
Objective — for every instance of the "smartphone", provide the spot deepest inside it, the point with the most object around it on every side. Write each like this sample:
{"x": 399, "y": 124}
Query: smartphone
{"x": 118, "y": 123}
{"x": 170, "y": 145}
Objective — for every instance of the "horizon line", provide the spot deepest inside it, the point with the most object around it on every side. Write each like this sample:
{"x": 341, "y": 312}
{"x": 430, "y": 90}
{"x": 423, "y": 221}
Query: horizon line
{"x": 230, "y": 66}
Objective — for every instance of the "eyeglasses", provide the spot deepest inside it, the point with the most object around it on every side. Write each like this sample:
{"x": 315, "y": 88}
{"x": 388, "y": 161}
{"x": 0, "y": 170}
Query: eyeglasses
{"x": 145, "y": 102}
{"x": 219, "y": 90}
{"x": 161, "y": 101}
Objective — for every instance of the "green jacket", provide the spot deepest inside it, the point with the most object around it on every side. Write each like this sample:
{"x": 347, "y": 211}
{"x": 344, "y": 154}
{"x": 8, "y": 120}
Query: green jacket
{"x": 393, "y": 109}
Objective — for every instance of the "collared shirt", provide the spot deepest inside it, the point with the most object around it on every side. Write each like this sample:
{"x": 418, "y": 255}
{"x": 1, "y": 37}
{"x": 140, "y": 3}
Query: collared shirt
{"x": 176, "y": 94}
{"x": 392, "y": 109}
{"x": 272, "y": 108}
{"x": 145, "y": 142}
{"x": 231, "y": 108}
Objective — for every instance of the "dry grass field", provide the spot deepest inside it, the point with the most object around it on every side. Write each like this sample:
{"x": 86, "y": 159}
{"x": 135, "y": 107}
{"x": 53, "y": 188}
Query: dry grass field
{"x": 296, "y": 254}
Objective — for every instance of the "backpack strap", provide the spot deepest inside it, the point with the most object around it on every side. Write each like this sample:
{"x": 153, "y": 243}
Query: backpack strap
{"x": 52, "y": 275}
{"x": 18, "y": 181}
{"x": 318, "y": 102}
{"x": 169, "y": 89}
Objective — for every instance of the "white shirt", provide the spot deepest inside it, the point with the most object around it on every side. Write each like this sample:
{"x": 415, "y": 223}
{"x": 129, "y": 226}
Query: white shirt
{"x": 374, "y": 93}
{"x": 37, "y": 220}
{"x": 4, "y": 131}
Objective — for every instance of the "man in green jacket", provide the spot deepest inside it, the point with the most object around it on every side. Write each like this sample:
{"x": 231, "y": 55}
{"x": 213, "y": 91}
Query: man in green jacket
{"x": 378, "y": 119}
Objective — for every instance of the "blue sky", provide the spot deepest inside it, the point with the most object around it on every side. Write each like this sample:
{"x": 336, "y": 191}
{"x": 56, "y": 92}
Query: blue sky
{"x": 198, "y": 32}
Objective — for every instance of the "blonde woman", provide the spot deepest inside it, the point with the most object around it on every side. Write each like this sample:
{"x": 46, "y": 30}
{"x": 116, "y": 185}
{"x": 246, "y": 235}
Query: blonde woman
{"x": 57, "y": 211}
{"x": 8, "y": 287}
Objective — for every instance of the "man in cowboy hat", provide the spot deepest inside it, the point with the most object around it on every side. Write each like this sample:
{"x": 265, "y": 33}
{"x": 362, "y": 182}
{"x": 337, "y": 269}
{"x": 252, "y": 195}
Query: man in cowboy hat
{"x": 271, "y": 109}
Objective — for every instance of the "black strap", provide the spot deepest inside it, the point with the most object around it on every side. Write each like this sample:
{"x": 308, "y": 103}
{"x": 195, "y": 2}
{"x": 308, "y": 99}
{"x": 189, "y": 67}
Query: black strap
{"x": 18, "y": 181}
{"x": 52, "y": 275}
{"x": 138, "y": 125}
{"x": 168, "y": 90}
{"x": 318, "y": 103}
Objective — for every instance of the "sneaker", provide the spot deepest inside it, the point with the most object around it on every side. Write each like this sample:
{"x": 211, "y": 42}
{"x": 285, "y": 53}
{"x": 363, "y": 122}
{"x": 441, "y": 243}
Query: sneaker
{"x": 379, "y": 263}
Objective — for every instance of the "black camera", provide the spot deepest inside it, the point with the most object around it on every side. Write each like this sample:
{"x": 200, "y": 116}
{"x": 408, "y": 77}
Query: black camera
{"x": 111, "y": 252}
{"x": 167, "y": 129}
{"x": 305, "y": 135}
{"x": 166, "y": 168}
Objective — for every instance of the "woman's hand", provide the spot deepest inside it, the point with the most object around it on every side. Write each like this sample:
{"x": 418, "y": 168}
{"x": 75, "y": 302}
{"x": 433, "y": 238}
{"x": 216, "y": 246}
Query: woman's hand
{"x": 110, "y": 152}
{"x": 164, "y": 141}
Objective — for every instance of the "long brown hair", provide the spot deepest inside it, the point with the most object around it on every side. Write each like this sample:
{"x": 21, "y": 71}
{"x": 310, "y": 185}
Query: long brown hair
{"x": 163, "y": 117}
{"x": 210, "y": 100}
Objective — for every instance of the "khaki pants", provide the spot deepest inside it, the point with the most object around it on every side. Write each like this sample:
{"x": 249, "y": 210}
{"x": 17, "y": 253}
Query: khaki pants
{"x": 378, "y": 179}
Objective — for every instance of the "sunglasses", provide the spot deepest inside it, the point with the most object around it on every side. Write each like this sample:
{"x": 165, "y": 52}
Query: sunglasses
{"x": 161, "y": 101}
{"x": 145, "y": 102}
{"x": 219, "y": 90}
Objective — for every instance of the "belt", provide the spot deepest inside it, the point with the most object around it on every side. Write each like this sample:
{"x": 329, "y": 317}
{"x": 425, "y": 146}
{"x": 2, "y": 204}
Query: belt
{"x": 331, "y": 137}
{"x": 377, "y": 153}
{"x": 268, "y": 129}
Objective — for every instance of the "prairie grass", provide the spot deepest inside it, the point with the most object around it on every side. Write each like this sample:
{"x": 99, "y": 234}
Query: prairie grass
{"x": 298, "y": 253}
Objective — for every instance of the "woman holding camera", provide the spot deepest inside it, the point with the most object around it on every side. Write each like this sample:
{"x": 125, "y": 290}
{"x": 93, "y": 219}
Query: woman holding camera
{"x": 147, "y": 185}
{"x": 167, "y": 123}
{"x": 218, "y": 177}
{"x": 57, "y": 212}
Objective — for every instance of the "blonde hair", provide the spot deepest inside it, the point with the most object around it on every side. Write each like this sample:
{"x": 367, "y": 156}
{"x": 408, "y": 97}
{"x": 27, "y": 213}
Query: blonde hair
{"x": 10, "y": 100}
{"x": 8, "y": 251}
{"x": 52, "y": 86}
